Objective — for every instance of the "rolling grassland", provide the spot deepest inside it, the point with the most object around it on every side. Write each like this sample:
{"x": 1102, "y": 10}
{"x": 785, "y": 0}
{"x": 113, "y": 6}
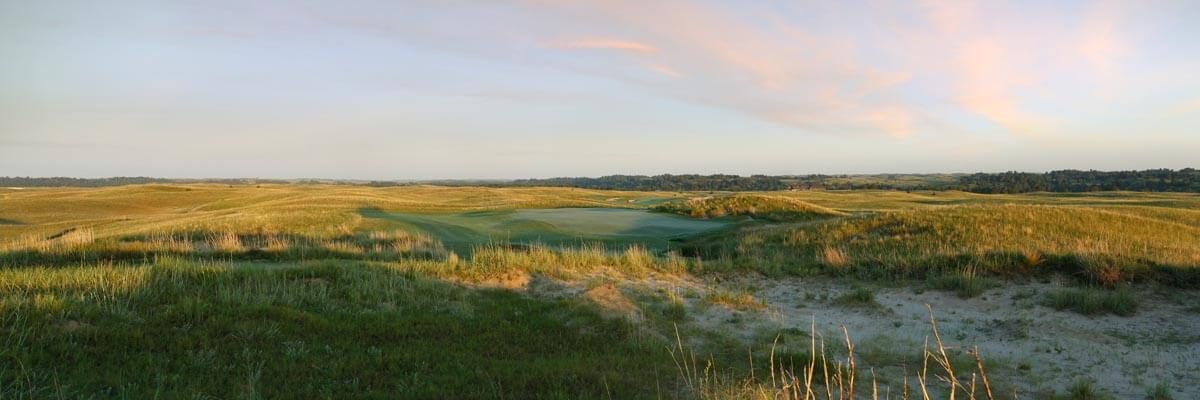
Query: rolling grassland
{"x": 312, "y": 291}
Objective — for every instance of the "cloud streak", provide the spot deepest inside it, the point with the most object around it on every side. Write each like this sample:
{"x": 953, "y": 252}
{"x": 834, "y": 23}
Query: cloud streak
{"x": 774, "y": 87}
{"x": 605, "y": 44}
{"x": 777, "y": 74}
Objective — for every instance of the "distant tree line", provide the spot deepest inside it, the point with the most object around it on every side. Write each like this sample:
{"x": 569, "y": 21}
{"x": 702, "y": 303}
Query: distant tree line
{"x": 17, "y": 181}
{"x": 729, "y": 183}
{"x": 733, "y": 183}
{"x": 1151, "y": 180}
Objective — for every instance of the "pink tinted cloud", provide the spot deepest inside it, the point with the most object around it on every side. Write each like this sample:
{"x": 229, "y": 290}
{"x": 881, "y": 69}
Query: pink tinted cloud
{"x": 606, "y": 44}
{"x": 896, "y": 121}
{"x": 988, "y": 75}
{"x": 1099, "y": 43}
{"x": 777, "y": 73}
{"x": 988, "y": 71}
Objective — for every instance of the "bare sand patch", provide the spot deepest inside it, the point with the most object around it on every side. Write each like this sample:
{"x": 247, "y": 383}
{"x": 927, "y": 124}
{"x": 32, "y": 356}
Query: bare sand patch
{"x": 1031, "y": 349}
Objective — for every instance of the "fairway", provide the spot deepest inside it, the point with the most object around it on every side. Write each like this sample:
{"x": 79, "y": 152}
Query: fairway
{"x": 612, "y": 227}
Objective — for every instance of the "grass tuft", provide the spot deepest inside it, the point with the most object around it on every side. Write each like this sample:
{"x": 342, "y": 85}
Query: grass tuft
{"x": 738, "y": 300}
{"x": 1161, "y": 391}
{"x": 1082, "y": 390}
{"x": 1094, "y": 301}
{"x": 965, "y": 284}
{"x": 858, "y": 296}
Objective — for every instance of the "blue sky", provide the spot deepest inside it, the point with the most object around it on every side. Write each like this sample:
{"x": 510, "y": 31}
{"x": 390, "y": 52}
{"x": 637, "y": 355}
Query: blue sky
{"x": 490, "y": 89}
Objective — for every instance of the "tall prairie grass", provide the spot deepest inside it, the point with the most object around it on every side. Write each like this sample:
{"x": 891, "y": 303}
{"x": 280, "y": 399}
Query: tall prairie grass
{"x": 769, "y": 207}
{"x": 1093, "y": 245}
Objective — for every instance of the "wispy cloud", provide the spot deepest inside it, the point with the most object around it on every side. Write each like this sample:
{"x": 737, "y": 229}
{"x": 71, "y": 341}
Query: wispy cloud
{"x": 777, "y": 73}
{"x": 883, "y": 84}
{"x": 988, "y": 76}
{"x": 796, "y": 73}
{"x": 1099, "y": 42}
{"x": 605, "y": 44}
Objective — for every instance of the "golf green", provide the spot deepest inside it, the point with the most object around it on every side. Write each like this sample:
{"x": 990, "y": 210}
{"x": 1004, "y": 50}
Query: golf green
{"x": 613, "y": 227}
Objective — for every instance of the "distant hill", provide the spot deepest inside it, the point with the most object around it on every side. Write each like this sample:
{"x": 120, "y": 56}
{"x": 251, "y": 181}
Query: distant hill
{"x": 1150, "y": 180}
{"x": 17, "y": 181}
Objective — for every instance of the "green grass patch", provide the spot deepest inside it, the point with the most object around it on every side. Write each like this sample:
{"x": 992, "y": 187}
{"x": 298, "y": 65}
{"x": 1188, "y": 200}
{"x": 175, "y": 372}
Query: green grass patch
{"x": 1094, "y": 301}
{"x": 1081, "y": 390}
{"x": 857, "y": 296}
{"x": 317, "y": 330}
{"x": 963, "y": 284}
{"x": 1161, "y": 391}
{"x": 612, "y": 227}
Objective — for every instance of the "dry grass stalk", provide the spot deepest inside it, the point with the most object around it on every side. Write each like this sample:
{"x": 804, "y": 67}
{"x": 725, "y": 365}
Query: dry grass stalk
{"x": 833, "y": 257}
{"x": 839, "y": 379}
{"x": 225, "y": 242}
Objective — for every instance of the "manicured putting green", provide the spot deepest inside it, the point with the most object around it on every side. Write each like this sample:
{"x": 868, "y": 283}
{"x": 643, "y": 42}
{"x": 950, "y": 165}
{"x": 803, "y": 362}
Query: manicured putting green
{"x": 554, "y": 226}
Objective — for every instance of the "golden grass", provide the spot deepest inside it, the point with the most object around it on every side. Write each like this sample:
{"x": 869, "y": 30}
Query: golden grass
{"x": 891, "y": 230}
{"x": 308, "y": 209}
{"x": 833, "y": 257}
{"x": 738, "y": 300}
{"x": 742, "y": 204}
{"x": 1103, "y": 239}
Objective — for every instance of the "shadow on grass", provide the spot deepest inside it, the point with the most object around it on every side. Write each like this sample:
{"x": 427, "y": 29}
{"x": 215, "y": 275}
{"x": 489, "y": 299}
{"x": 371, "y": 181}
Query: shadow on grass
{"x": 613, "y": 228}
{"x": 225, "y": 246}
{"x": 327, "y": 329}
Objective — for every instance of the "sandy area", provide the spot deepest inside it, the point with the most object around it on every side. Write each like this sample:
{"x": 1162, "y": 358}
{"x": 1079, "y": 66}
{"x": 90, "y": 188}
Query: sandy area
{"x": 1031, "y": 349}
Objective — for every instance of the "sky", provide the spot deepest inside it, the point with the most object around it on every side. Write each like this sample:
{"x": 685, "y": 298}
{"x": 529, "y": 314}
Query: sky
{"x": 512, "y": 89}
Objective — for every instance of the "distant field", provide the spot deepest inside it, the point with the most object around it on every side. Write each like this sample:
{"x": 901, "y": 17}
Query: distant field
{"x": 900, "y": 232}
{"x": 302, "y": 209}
{"x": 864, "y": 233}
